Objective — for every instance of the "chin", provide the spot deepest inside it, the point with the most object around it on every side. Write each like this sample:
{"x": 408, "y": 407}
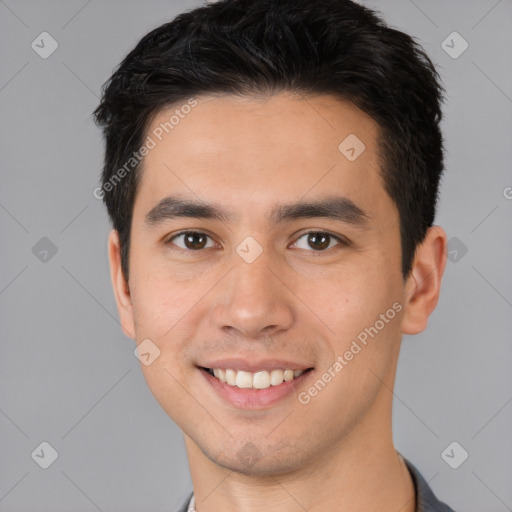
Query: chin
{"x": 251, "y": 459}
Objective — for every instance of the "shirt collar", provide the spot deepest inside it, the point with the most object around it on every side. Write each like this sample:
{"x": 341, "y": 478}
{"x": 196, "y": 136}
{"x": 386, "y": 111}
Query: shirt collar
{"x": 426, "y": 501}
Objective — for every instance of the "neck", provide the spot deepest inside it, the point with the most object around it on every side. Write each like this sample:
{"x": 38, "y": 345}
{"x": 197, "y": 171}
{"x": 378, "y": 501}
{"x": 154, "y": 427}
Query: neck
{"x": 363, "y": 472}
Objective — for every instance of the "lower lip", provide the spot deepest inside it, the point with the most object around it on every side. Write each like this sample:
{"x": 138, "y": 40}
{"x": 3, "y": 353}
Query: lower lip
{"x": 254, "y": 398}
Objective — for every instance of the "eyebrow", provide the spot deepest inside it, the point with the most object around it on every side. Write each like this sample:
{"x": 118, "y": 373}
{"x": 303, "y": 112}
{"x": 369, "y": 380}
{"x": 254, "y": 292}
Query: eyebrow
{"x": 333, "y": 207}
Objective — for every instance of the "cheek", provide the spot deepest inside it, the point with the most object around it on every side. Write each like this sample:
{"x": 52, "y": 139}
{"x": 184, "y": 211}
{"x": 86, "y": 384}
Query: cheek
{"x": 160, "y": 309}
{"x": 156, "y": 308}
{"x": 352, "y": 302}
{"x": 160, "y": 300}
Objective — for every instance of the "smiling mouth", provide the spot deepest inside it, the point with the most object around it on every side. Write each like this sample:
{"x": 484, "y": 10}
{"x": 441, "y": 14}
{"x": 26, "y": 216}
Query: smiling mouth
{"x": 254, "y": 380}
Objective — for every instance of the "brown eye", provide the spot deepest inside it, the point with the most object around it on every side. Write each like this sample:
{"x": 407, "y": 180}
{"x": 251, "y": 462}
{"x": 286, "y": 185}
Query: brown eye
{"x": 318, "y": 241}
{"x": 192, "y": 240}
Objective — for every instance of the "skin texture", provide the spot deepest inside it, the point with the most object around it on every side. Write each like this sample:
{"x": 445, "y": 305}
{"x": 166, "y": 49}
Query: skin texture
{"x": 249, "y": 154}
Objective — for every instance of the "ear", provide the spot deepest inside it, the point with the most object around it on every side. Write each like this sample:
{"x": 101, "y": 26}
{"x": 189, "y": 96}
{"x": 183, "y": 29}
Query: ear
{"x": 120, "y": 286}
{"x": 423, "y": 284}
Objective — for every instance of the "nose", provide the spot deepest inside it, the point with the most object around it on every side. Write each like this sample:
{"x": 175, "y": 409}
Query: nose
{"x": 252, "y": 301}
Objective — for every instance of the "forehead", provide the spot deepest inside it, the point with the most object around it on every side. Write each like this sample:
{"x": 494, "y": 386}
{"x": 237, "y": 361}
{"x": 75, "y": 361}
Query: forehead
{"x": 257, "y": 151}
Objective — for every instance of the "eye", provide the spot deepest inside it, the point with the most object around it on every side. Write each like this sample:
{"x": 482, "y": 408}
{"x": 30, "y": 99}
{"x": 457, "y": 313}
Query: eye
{"x": 192, "y": 241}
{"x": 319, "y": 241}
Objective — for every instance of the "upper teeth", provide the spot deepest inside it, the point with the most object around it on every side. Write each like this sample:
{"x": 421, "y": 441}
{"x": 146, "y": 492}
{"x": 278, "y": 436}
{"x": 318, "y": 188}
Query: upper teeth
{"x": 257, "y": 380}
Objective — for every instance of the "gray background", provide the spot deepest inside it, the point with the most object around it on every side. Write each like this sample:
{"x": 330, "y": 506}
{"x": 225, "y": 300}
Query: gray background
{"x": 68, "y": 374}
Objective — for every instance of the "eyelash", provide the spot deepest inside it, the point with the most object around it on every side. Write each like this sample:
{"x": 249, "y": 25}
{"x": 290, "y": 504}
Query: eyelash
{"x": 342, "y": 242}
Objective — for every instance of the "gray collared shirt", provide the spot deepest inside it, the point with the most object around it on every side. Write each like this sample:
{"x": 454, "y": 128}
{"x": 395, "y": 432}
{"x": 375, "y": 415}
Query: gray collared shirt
{"x": 425, "y": 498}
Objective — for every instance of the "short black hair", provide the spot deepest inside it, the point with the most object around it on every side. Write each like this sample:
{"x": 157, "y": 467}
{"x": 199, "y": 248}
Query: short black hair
{"x": 255, "y": 47}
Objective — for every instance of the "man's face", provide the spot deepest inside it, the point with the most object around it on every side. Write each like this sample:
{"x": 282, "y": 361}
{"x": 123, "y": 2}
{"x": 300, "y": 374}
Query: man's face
{"x": 266, "y": 290}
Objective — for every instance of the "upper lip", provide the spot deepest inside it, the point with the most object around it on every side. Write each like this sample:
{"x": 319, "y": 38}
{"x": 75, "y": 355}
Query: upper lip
{"x": 255, "y": 365}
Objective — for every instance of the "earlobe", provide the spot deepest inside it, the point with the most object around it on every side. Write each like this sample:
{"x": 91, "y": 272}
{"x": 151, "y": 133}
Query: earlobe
{"x": 424, "y": 281}
{"x": 120, "y": 286}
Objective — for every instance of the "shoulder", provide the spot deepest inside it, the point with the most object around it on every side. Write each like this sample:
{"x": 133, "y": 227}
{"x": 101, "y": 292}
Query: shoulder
{"x": 426, "y": 501}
